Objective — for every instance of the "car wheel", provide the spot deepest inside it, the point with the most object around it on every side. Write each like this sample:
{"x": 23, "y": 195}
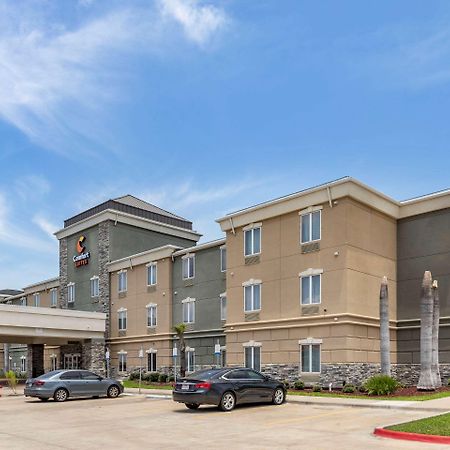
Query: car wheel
{"x": 61, "y": 395}
{"x": 192, "y": 405}
{"x": 42, "y": 399}
{"x": 113, "y": 391}
{"x": 278, "y": 396}
{"x": 227, "y": 402}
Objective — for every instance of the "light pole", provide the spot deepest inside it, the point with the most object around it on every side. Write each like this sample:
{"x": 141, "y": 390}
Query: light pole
{"x": 217, "y": 353}
{"x": 174, "y": 355}
{"x": 107, "y": 357}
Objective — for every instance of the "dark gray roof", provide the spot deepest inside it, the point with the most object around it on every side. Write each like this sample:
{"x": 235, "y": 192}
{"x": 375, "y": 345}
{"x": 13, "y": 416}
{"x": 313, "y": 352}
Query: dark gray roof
{"x": 134, "y": 206}
{"x": 10, "y": 292}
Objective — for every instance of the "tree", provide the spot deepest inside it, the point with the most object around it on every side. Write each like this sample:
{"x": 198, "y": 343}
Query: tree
{"x": 385, "y": 341}
{"x": 435, "y": 338}
{"x": 12, "y": 381}
{"x": 426, "y": 331}
{"x": 180, "y": 330}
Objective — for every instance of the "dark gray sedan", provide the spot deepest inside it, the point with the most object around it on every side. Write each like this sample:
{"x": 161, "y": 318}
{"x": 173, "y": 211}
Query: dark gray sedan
{"x": 62, "y": 384}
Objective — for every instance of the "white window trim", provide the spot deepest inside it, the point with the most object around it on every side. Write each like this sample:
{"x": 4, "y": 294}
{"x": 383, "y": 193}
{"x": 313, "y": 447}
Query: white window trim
{"x": 185, "y": 257}
{"x": 152, "y": 305}
{"x": 190, "y": 350}
{"x": 186, "y": 301}
{"x": 53, "y": 305}
{"x": 37, "y": 295}
{"x": 222, "y": 248}
{"x": 95, "y": 277}
{"x": 122, "y": 353}
{"x": 310, "y": 289}
{"x": 257, "y": 283}
{"x": 118, "y": 281}
{"x": 222, "y": 296}
{"x": 310, "y": 272}
{"x": 310, "y": 342}
{"x": 249, "y": 228}
{"x": 251, "y": 281}
{"x": 119, "y": 311}
{"x": 152, "y": 351}
{"x": 69, "y": 285}
{"x": 253, "y": 356}
{"x": 252, "y": 344}
{"x": 155, "y": 265}
{"x": 22, "y": 301}
{"x": 309, "y": 212}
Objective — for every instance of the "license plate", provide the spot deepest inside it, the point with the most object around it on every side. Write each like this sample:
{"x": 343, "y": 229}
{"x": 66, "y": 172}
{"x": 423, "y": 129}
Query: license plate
{"x": 185, "y": 387}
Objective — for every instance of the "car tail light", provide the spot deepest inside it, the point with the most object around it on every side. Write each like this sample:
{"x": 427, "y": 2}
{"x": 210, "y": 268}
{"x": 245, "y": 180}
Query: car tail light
{"x": 39, "y": 383}
{"x": 202, "y": 385}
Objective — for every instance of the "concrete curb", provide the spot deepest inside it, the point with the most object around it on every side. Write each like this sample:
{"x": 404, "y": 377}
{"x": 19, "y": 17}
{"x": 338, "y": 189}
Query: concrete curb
{"x": 401, "y": 435}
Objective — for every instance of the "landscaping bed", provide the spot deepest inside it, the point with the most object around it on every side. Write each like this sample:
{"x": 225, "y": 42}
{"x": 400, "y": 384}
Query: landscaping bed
{"x": 437, "y": 426}
{"x": 147, "y": 385}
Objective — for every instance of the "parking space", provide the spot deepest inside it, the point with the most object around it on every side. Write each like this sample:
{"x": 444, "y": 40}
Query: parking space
{"x": 138, "y": 422}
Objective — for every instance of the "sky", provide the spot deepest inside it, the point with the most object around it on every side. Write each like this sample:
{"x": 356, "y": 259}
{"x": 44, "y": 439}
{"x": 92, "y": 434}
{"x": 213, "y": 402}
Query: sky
{"x": 206, "y": 107}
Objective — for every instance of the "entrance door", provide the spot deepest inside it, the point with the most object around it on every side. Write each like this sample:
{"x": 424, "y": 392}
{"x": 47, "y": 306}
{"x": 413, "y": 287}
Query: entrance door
{"x": 72, "y": 361}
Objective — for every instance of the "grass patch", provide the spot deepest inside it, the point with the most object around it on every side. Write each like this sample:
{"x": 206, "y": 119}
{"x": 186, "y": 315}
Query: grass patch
{"x": 438, "y": 426}
{"x": 416, "y": 398}
{"x": 144, "y": 385}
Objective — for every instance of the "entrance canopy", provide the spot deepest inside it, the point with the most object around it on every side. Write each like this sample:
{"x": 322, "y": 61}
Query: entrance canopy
{"x": 36, "y": 325}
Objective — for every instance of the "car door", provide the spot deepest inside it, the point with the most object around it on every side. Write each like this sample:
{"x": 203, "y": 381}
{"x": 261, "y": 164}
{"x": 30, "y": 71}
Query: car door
{"x": 73, "y": 382}
{"x": 93, "y": 384}
{"x": 260, "y": 389}
{"x": 240, "y": 383}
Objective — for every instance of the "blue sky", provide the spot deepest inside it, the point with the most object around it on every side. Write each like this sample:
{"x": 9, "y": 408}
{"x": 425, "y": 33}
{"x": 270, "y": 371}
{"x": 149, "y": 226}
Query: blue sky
{"x": 205, "y": 107}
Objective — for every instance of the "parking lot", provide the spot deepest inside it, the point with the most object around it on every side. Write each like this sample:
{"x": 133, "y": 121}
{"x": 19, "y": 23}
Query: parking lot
{"x": 138, "y": 422}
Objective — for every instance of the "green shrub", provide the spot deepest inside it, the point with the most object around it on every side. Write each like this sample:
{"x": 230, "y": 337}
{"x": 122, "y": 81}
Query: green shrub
{"x": 448, "y": 382}
{"x": 287, "y": 384}
{"x": 381, "y": 385}
{"x": 12, "y": 380}
{"x": 153, "y": 377}
{"x": 171, "y": 379}
{"x": 162, "y": 378}
{"x": 348, "y": 389}
{"x": 146, "y": 376}
{"x": 362, "y": 389}
{"x": 317, "y": 388}
{"x": 299, "y": 385}
{"x": 134, "y": 375}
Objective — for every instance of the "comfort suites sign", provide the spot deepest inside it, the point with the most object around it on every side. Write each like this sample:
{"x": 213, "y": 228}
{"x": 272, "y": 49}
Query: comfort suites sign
{"x": 82, "y": 256}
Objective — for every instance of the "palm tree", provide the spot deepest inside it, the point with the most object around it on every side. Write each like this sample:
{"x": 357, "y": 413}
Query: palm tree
{"x": 435, "y": 337}
{"x": 385, "y": 341}
{"x": 426, "y": 331}
{"x": 180, "y": 329}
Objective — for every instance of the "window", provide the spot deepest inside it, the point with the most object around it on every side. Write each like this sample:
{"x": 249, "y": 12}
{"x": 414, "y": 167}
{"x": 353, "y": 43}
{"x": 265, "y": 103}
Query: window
{"x": 122, "y": 278}
{"x": 236, "y": 375}
{"x": 53, "y": 298}
{"x": 252, "y": 240}
{"x": 151, "y": 315}
{"x": 72, "y": 361}
{"x": 188, "y": 267}
{"x": 310, "y": 358}
{"x": 310, "y": 226}
{"x": 122, "y": 314}
{"x": 253, "y": 358}
{"x": 151, "y": 362}
{"x": 71, "y": 293}
{"x": 189, "y": 310}
{"x": 190, "y": 360}
{"x": 85, "y": 375}
{"x": 122, "y": 362}
{"x": 151, "y": 274}
{"x": 223, "y": 259}
{"x": 23, "y": 363}
{"x": 311, "y": 287}
{"x": 70, "y": 375}
{"x": 223, "y": 307}
{"x": 37, "y": 299}
{"x": 95, "y": 286}
{"x": 54, "y": 362}
{"x": 252, "y": 297}
{"x": 23, "y": 301}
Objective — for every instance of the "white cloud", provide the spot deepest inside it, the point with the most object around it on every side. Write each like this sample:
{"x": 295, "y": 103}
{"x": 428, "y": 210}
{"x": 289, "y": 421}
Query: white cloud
{"x": 31, "y": 187}
{"x": 56, "y": 81}
{"x": 45, "y": 225}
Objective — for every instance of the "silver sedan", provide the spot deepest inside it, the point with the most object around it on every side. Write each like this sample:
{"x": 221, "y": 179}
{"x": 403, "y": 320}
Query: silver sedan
{"x": 62, "y": 384}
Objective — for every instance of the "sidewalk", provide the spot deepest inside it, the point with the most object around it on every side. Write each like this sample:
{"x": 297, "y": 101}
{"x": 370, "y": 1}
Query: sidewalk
{"x": 440, "y": 405}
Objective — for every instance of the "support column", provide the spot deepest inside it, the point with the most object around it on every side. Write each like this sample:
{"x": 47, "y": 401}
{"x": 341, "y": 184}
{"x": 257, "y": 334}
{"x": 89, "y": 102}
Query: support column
{"x": 35, "y": 357}
{"x": 5, "y": 357}
{"x": 93, "y": 356}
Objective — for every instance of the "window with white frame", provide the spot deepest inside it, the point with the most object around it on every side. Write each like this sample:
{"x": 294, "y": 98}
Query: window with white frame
{"x": 23, "y": 301}
{"x": 311, "y": 226}
{"x": 188, "y": 310}
{"x": 310, "y": 358}
{"x": 122, "y": 316}
{"x": 95, "y": 286}
{"x": 188, "y": 267}
{"x": 37, "y": 299}
{"x": 122, "y": 362}
{"x": 23, "y": 363}
{"x": 253, "y": 357}
{"x": 252, "y": 296}
{"x": 190, "y": 360}
{"x": 151, "y": 315}
{"x": 151, "y": 361}
{"x": 223, "y": 307}
{"x": 223, "y": 259}
{"x": 252, "y": 241}
{"x": 71, "y": 292}
{"x": 122, "y": 281}
{"x": 54, "y": 362}
{"x": 151, "y": 274}
{"x": 310, "y": 286}
{"x": 53, "y": 297}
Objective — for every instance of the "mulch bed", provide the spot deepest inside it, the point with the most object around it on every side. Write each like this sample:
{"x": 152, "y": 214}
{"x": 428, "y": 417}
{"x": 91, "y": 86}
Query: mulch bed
{"x": 401, "y": 392}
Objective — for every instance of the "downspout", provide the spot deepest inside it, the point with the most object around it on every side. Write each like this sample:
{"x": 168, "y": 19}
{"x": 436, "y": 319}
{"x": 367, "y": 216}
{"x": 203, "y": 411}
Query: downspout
{"x": 330, "y": 200}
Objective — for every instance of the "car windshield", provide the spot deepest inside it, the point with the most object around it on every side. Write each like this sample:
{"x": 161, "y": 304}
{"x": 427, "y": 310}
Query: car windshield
{"x": 48, "y": 375}
{"x": 204, "y": 374}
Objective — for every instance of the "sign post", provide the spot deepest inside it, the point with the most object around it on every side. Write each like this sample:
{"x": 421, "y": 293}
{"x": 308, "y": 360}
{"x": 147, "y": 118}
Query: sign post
{"x": 217, "y": 353}
{"x": 174, "y": 355}
{"x": 107, "y": 357}
{"x": 141, "y": 357}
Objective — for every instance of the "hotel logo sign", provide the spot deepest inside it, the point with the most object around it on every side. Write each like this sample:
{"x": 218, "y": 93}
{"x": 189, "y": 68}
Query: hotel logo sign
{"x": 82, "y": 258}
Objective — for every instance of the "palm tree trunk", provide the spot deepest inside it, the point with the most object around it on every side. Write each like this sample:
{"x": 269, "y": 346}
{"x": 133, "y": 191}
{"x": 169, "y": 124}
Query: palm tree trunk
{"x": 182, "y": 356}
{"x": 385, "y": 341}
{"x": 426, "y": 331}
{"x": 435, "y": 337}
